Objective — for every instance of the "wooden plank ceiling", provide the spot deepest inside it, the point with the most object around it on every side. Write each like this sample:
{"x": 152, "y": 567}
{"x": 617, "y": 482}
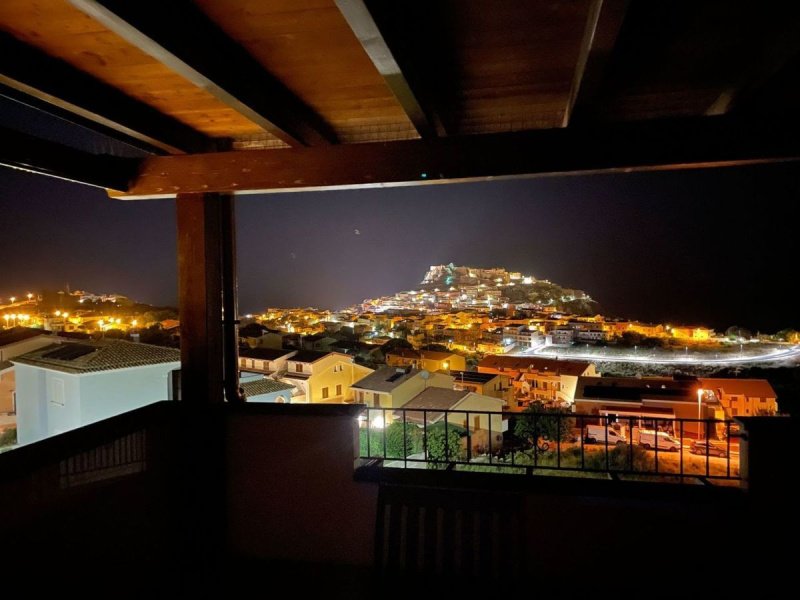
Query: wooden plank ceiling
{"x": 63, "y": 31}
{"x": 267, "y": 74}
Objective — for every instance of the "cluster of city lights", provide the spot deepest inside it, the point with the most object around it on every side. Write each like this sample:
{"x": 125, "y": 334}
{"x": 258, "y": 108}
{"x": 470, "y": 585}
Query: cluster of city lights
{"x": 16, "y": 318}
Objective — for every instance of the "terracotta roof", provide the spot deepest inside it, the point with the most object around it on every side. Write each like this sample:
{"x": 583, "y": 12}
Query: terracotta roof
{"x": 264, "y": 386}
{"x": 90, "y": 357}
{"x": 752, "y": 388}
{"x": 19, "y": 334}
{"x": 533, "y": 363}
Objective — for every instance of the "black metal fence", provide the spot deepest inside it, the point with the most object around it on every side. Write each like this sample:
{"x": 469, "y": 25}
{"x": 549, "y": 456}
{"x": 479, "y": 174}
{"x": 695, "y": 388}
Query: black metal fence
{"x": 552, "y": 442}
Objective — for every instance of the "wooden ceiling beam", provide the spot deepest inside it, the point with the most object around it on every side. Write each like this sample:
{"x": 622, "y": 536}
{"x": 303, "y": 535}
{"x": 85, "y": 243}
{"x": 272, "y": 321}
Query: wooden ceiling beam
{"x": 184, "y": 39}
{"x": 644, "y": 145}
{"x": 50, "y": 82}
{"x": 29, "y": 153}
{"x": 369, "y": 35}
{"x": 603, "y": 24}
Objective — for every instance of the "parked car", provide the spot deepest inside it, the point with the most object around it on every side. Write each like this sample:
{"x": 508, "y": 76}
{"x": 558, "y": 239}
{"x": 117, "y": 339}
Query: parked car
{"x": 708, "y": 447}
{"x": 597, "y": 434}
{"x": 648, "y": 437}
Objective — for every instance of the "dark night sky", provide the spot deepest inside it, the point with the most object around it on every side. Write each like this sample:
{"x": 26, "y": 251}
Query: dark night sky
{"x": 711, "y": 246}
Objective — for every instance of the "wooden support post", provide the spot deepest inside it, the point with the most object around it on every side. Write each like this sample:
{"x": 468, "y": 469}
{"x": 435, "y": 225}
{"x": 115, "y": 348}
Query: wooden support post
{"x": 200, "y": 297}
{"x": 230, "y": 301}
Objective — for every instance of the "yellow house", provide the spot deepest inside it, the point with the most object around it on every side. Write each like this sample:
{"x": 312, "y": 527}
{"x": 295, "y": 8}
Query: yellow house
{"x": 323, "y": 377}
{"x": 392, "y": 387}
{"x": 692, "y": 333}
{"x": 430, "y": 360}
{"x": 487, "y": 384}
{"x": 538, "y": 379}
{"x": 742, "y": 397}
{"x": 480, "y": 415}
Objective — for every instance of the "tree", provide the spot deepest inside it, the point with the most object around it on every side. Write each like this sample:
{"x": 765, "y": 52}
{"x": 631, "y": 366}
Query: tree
{"x": 539, "y": 420}
{"x": 252, "y": 330}
{"x": 435, "y": 348}
{"x": 395, "y": 447}
{"x": 788, "y": 335}
{"x": 395, "y": 344}
{"x": 156, "y": 336}
{"x": 115, "y": 334}
{"x": 736, "y": 333}
{"x": 444, "y": 447}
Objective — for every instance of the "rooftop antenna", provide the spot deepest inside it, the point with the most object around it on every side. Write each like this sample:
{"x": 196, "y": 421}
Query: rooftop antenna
{"x": 425, "y": 375}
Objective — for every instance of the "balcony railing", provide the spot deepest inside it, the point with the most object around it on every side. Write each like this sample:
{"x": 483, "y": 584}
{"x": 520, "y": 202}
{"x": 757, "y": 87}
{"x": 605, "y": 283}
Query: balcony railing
{"x": 555, "y": 443}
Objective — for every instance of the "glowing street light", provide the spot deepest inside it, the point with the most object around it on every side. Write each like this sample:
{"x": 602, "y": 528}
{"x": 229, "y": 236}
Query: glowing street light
{"x": 13, "y": 298}
{"x": 30, "y": 295}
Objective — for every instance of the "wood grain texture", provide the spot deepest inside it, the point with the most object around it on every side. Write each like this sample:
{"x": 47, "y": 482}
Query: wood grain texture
{"x": 61, "y": 30}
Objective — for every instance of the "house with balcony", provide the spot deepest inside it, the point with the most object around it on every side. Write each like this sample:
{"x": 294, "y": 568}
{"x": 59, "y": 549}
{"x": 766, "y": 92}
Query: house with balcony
{"x": 486, "y": 384}
{"x": 323, "y": 377}
{"x": 264, "y": 360}
{"x": 537, "y": 379}
{"x": 430, "y": 360}
{"x": 742, "y": 397}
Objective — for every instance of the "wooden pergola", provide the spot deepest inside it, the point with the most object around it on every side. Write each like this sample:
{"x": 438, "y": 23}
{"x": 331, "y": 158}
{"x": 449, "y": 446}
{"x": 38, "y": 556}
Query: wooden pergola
{"x": 226, "y": 97}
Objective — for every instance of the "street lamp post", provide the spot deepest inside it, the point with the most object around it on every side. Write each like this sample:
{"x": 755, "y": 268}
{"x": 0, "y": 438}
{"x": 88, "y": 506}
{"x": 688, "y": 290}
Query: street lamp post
{"x": 699, "y": 400}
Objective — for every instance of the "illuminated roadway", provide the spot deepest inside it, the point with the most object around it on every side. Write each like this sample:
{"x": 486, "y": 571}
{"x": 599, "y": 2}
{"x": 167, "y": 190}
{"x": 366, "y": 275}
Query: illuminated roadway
{"x": 792, "y": 352}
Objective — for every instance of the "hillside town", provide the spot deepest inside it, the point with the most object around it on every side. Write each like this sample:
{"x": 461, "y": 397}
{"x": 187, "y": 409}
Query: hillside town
{"x": 464, "y": 347}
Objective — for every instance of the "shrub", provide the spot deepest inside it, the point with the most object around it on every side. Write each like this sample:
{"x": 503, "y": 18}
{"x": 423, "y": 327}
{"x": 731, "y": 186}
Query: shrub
{"x": 8, "y": 437}
{"x": 394, "y": 440}
{"x": 444, "y": 447}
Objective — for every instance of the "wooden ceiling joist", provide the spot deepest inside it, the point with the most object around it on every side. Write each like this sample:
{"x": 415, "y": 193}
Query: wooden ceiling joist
{"x": 181, "y": 37}
{"x": 29, "y": 153}
{"x": 49, "y": 81}
{"x": 648, "y": 145}
{"x": 603, "y": 23}
{"x": 372, "y": 41}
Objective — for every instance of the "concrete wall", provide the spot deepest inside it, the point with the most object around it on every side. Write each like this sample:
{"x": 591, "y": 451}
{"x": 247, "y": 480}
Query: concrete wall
{"x": 7, "y": 387}
{"x": 291, "y": 491}
{"x": 110, "y": 393}
{"x": 51, "y": 402}
{"x": 19, "y": 348}
{"x": 31, "y": 413}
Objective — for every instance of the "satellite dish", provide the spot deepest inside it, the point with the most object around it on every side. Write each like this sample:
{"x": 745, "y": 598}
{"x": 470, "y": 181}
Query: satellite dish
{"x": 424, "y": 374}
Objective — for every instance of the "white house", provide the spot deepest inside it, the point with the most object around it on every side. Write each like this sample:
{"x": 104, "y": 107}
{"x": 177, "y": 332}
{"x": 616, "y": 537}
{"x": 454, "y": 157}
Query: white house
{"x": 68, "y": 385}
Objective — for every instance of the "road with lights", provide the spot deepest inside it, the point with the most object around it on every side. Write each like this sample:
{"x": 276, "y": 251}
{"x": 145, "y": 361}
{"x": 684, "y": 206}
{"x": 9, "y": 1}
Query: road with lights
{"x": 777, "y": 354}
